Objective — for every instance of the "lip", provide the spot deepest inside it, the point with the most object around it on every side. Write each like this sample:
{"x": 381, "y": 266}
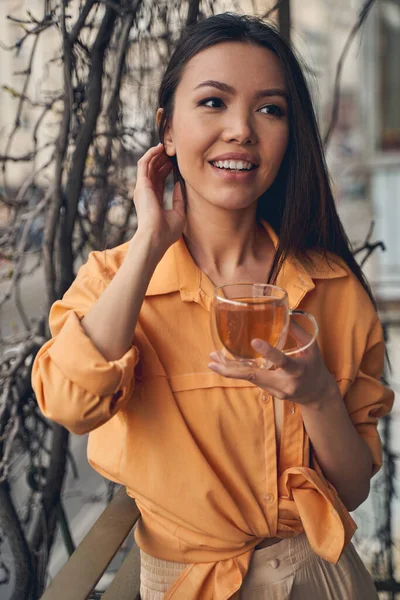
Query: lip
{"x": 236, "y": 156}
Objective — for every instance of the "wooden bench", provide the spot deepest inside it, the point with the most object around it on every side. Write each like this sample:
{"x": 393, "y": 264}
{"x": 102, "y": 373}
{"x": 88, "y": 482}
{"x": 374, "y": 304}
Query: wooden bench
{"x": 79, "y": 576}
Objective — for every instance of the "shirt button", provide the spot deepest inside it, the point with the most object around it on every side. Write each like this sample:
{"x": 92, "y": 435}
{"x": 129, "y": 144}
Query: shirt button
{"x": 269, "y": 498}
{"x": 266, "y": 399}
{"x": 274, "y": 563}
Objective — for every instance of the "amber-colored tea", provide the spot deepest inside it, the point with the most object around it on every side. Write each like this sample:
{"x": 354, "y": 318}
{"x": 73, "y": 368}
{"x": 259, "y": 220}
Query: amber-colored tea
{"x": 237, "y": 325}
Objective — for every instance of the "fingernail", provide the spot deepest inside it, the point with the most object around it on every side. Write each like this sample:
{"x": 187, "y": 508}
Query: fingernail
{"x": 257, "y": 344}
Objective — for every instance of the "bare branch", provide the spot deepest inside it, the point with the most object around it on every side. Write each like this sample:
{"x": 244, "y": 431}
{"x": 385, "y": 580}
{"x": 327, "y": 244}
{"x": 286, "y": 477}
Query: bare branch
{"x": 84, "y": 139}
{"x": 363, "y": 14}
{"x": 284, "y": 19}
{"x": 193, "y": 12}
{"x": 35, "y": 31}
{"x": 271, "y": 11}
{"x": 41, "y": 206}
{"x": 83, "y": 14}
{"x": 118, "y": 8}
{"x": 16, "y": 94}
{"x": 53, "y": 214}
{"x": 20, "y": 550}
{"x": 25, "y": 157}
{"x": 20, "y": 104}
{"x": 39, "y": 122}
{"x": 369, "y": 247}
{"x": 120, "y": 56}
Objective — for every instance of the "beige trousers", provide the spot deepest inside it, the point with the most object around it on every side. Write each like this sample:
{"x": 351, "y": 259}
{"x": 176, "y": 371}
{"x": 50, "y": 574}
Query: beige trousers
{"x": 289, "y": 570}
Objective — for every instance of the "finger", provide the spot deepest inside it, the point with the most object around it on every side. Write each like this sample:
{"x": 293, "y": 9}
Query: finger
{"x": 266, "y": 380}
{"x": 215, "y": 357}
{"x": 235, "y": 371}
{"x": 159, "y": 160}
{"x": 159, "y": 171}
{"x": 158, "y": 174}
{"x": 164, "y": 169}
{"x": 278, "y": 358}
{"x": 298, "y": 332}
{"x": 144, "y": 161}
{"x": 155, "y": 163}
{"x": 300, "y": 343}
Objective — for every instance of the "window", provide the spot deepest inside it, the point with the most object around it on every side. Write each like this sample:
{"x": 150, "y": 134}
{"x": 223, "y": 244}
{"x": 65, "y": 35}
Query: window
{"x": 389, "y": 23}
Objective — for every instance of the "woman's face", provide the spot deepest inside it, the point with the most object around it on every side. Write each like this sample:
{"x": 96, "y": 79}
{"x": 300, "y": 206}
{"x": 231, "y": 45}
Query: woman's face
{"x": 229, "y": 128}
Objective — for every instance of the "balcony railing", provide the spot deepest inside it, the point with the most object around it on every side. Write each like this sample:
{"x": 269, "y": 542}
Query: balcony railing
{"x": 80, "y": 575}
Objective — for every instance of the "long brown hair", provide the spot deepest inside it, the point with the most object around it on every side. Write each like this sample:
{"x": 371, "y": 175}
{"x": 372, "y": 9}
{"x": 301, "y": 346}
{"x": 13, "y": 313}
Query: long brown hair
{"x": 299, "y": 205}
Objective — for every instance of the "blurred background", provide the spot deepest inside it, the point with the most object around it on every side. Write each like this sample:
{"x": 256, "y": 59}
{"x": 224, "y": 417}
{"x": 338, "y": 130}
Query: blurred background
{"x": 78, "y": 86}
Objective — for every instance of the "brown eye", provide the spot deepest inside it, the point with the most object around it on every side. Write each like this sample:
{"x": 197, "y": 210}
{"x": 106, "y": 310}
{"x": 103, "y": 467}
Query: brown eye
{"x": 212, "y": 102}
{"x": 272, "y": 109}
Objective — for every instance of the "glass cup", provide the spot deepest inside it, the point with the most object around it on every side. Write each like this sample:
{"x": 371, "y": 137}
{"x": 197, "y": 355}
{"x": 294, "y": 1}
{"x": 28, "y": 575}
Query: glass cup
{"x": 241, "y": 312}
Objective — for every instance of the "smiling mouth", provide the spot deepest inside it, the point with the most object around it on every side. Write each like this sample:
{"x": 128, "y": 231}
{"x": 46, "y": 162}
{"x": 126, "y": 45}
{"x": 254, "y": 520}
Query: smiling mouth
{"x": 233, "y": 165}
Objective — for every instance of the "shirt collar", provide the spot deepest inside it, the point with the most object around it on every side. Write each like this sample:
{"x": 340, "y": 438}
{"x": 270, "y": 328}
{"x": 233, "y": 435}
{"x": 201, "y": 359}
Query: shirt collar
{"x": 177, "y": 271}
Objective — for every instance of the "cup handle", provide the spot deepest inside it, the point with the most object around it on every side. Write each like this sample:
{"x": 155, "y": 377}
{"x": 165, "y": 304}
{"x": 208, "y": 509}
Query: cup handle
{"x": 303, "y": 336}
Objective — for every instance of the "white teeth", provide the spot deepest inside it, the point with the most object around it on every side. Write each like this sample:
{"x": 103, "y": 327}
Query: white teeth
{"x": 233, "y": 165}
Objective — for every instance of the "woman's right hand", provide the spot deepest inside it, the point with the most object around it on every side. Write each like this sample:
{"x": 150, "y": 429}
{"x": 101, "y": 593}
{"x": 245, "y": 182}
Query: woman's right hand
{"x": 164, "y": 226}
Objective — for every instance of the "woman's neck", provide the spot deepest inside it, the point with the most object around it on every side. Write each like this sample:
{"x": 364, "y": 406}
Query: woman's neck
{"x": 228, "y": 245}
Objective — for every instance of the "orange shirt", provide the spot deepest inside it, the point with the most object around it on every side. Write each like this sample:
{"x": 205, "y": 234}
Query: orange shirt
{"x": 196, "y": 450}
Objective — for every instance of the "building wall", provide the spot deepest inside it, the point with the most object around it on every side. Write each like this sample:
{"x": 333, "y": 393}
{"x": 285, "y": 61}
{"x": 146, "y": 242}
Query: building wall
{"x": 382, "y": 165}
{"x": 45, "y": 80}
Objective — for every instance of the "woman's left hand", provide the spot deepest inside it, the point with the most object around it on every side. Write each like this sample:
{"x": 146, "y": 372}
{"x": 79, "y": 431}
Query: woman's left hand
{"x": 302, "y": 378}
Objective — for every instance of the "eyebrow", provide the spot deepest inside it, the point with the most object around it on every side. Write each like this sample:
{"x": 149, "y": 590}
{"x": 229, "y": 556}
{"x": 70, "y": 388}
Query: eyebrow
{"x": 224, "y": 87}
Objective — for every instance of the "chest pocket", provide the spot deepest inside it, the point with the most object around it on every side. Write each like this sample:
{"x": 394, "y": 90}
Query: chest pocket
{"x": 205, "y": 380}
{"x": 216, "y": 408}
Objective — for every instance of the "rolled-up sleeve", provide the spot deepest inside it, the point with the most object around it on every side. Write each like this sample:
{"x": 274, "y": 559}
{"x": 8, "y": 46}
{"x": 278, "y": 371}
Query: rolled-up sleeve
{"x": 366, "y": 397}
{"x": 74, "y": 384}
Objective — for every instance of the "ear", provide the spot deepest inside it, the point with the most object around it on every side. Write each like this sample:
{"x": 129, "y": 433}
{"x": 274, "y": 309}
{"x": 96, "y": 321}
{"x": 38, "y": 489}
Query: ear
{"x": 159, "y": 114}
{"x": 169, "y": 145}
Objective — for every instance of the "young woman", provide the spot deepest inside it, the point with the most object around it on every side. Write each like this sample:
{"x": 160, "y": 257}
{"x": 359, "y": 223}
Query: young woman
{"x": 244, "y": 477}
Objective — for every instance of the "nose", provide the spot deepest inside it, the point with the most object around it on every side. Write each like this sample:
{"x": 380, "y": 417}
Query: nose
{"x": 239, "y": 128}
